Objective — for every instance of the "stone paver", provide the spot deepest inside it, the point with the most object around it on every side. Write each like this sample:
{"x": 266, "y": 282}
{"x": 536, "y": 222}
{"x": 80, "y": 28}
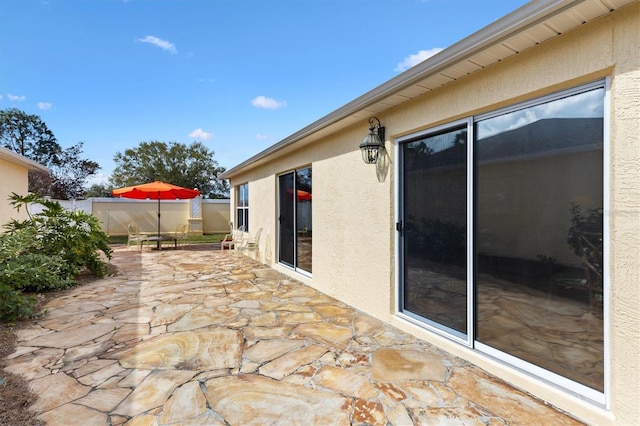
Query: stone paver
{"x": 205, "y": 337}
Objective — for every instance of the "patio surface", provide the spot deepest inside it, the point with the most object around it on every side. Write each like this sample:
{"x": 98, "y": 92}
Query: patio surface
{"x": 205, "y": 337}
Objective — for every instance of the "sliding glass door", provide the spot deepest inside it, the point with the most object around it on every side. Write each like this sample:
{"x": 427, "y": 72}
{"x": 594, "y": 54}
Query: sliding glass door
{"x": 295, "y": 220}
{"x": 504, "y": 250}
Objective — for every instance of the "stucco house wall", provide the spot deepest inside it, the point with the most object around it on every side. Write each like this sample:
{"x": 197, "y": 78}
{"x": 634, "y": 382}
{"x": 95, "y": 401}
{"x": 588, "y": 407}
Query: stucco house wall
{"x": 14, "y": 177}
{"x": 354, "y": 205}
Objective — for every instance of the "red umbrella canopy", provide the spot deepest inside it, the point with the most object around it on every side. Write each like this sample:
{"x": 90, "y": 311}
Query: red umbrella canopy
{"x": 302, "y": 195}
{"x": 156, "y": 190}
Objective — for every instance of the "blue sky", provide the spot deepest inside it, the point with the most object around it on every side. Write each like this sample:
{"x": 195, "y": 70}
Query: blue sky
{"x": 236, "y": 75}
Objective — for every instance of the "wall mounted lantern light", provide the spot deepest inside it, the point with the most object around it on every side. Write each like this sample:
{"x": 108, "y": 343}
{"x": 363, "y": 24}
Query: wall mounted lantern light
{"x": 373, "y": 144}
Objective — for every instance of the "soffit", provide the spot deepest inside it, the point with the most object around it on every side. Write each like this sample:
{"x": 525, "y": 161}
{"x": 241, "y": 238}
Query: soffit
{"x": 12, "y": 157}
{"x": 526, "y": 27}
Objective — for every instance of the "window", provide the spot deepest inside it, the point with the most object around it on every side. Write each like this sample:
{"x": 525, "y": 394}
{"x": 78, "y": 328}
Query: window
{"x": 502, "y": 235}
{"x": 242, "y": 207}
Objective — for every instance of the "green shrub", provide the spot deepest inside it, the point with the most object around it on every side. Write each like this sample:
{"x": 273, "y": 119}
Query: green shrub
{"x": 46, "y": 252}
{"x": 34, "y": 272}
{"x": 15, "y": 305}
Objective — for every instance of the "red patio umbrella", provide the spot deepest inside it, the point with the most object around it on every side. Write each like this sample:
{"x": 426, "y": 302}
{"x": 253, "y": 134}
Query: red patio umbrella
{"x": 302, "y": 195}
{"x": 156, "y": 190}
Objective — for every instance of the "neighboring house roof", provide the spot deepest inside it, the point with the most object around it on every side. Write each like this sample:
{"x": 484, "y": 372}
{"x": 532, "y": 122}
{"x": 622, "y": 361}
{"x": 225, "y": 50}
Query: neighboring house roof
{"x": 15, "y": 158}
{"x": 536, "y": 140}
{"x": 526, "y": 27}
{"x": 568, "y": 135}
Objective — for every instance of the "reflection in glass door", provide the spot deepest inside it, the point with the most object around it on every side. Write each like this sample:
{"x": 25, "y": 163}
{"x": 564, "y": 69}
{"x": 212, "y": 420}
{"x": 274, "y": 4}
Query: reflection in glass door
{"x": 296, "y": 230}
{"x": 539, "y": 240}
{"x": 434, "y": 185}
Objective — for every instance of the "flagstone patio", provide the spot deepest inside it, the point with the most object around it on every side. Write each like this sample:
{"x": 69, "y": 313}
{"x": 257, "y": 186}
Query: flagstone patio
{"x": 204, "y": 337}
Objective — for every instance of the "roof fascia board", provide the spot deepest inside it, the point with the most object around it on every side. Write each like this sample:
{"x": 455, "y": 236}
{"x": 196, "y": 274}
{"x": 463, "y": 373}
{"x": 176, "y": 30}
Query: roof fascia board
{"x": 522, "y": 18}
{"x": 15, "y": 158}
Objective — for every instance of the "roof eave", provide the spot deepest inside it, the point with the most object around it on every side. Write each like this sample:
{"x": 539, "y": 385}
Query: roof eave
{"x": 517, "y": 21}
{"x": 15, "y": 158}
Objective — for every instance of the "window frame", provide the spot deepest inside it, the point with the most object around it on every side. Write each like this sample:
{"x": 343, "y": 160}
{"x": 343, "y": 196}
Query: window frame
{"x": 242, "y": 206}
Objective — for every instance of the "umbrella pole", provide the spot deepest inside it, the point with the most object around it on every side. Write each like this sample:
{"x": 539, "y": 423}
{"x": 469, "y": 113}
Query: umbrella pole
{"x": 159, "y": 242}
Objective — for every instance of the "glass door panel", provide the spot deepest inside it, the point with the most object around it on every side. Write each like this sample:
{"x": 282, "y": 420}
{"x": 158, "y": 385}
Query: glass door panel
{"x": 287, "y": 220}
{"x": 539, "y": 235}
{"x": 304, "y": 223}
{"x": 434, "y": 237}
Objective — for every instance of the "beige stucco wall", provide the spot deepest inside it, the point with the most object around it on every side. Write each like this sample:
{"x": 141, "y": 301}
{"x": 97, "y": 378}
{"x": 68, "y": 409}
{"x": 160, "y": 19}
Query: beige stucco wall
{"x": 354, "y": 204}
{"x": 13, "y": 178}
{"x": 347, "y": 207}
{"x": 625, "y": 216}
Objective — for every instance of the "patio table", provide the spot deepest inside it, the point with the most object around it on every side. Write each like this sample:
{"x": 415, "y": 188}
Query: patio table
{"x": 160, "y": 238}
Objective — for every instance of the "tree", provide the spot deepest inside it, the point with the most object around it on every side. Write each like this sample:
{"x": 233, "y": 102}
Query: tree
{"x": 99, "y": 190}
{"x": 70, "y": 173}
{"x": 29, "y": 136}
{"x": 190, "y": 166}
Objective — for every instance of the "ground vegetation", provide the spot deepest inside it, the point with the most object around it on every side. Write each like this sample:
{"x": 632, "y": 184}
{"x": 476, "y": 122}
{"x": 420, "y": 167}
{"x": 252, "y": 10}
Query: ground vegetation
{"x": 46, "y": 252}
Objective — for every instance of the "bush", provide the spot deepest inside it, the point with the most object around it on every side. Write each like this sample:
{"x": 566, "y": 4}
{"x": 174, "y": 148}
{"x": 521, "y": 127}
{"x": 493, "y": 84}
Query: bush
{"x": 46, "y": 252}
{"x": 34, "y": 272}
{"x": 15, "y": 305}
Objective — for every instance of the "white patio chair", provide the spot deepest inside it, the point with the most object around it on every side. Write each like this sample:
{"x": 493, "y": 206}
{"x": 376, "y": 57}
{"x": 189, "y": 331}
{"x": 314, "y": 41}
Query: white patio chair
{"x": 182, "y": 236}
{"x": 134, "y": 236}
{"x": 251, "y": 244}
{"x": 230, "y": 241}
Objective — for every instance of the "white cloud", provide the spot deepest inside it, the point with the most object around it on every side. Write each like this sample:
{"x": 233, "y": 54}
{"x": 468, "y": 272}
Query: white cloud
{"x": 587, "y": 105}
{"x": 261, "y": 136}
{"x": 98, "y": 179}
{"x": 44, "y": 105}
{"x": 201, "y": 134}
{"x": 16, "y": 98}
{"x": 416, "y": 58}
{"x": 267, "y": 103}
{"x": 162, "y": 44}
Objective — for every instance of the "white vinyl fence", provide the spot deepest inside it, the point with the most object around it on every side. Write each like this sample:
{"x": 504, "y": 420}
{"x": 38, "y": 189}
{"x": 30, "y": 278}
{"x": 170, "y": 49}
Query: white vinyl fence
{"x": 204, "y": 216}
